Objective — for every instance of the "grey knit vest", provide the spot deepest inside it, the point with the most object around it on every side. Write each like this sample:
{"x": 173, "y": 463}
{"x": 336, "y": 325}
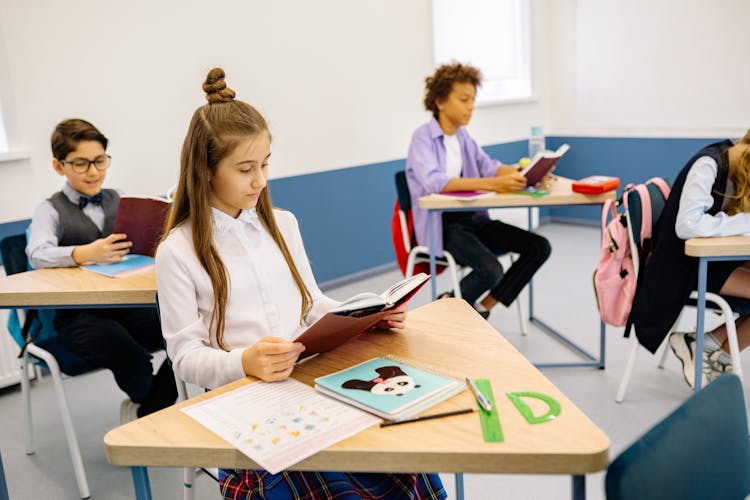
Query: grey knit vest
{"x": 77, "y": 228}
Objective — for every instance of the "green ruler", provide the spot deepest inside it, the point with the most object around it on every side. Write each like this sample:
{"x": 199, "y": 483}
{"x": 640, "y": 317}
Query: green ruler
{"x": 491, "y": 429}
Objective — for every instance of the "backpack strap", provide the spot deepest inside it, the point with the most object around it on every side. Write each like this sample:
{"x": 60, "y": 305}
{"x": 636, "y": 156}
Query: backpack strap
{"x": 661, "y": 184}
{"x": 609, "y": 208}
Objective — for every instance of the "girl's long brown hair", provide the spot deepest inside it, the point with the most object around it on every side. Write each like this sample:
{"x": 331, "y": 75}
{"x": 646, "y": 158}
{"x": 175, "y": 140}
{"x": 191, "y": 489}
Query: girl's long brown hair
{"x": 739, "y": 173}
{"x": 215, "y": 130}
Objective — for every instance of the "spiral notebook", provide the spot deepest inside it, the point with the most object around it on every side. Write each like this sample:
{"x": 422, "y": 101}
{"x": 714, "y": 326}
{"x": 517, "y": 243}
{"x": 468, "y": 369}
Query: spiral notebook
{"x": 389, "y": 387}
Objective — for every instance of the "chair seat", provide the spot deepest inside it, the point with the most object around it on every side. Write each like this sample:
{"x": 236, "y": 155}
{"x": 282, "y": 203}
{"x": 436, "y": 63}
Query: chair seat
{"x": 738, "y": 305}
{"x": 425, "y": 257}
{"x": 70, "y": 363}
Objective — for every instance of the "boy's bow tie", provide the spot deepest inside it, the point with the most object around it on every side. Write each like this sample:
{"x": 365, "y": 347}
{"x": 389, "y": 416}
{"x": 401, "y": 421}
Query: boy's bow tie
{"x": 85, "y": 200}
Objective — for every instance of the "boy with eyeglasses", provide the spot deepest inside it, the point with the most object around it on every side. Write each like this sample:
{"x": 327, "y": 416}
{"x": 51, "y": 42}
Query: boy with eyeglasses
{"x": 74, "y": 227}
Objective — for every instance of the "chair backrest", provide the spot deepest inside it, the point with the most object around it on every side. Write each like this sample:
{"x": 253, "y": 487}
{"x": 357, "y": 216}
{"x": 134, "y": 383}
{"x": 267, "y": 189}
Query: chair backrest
{"x": 402, "y": 190}
{"x": 13, "y": 251}
{"x": 408, "y": 236}
{"x": 699, "y": 451}
{"x": 634, "y": 198}
{"x": 40, "y": 326}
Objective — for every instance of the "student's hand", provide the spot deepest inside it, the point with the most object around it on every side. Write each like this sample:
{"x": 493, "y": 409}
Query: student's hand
{"x": 112, "y": 248}
{"x": 396, "y": 319}
{"x": 509, "y": 182}
{"x": 271, "y": 358}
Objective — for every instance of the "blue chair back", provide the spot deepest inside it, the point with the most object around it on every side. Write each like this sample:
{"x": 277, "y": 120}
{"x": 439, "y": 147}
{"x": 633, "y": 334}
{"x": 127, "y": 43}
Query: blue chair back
{"x": 700, "y": 451}
{"x": 635, "y": 208}
{"x": 41, "y": 328}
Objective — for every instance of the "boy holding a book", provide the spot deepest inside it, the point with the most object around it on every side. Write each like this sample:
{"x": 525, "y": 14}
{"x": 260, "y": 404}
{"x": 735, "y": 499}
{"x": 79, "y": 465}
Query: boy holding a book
{"x": 74, "y": 227}
{"x": 442, "y": 158}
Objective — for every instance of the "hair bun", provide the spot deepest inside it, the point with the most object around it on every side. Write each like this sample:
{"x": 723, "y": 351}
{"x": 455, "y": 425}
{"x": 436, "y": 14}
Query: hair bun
{"x": 216, "y": 88}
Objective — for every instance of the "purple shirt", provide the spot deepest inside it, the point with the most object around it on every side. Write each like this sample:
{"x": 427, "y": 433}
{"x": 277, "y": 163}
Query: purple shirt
{"x": 425, "y": 173}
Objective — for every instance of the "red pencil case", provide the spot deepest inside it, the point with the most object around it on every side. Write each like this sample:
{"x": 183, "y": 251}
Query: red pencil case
{"x": 596, "y": 184}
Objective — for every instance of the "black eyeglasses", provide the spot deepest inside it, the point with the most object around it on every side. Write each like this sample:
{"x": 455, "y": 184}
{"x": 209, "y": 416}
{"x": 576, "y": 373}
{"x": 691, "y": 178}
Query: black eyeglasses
{"x": 82, "y": 165}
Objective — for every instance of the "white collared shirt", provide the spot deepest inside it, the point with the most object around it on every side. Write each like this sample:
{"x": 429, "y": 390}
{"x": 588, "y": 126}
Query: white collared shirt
{"x": 693, "y": 219}
{"x": 45, "y": 232}
{"x": 264, "y": 300}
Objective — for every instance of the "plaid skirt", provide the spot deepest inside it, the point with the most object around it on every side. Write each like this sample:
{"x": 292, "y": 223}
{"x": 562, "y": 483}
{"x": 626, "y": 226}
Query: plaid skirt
{"x": 296, "y": 485}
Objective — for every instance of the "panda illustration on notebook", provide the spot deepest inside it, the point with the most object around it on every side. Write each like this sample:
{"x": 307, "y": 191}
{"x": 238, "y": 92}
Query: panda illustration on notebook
{"x": 392, "y": 381}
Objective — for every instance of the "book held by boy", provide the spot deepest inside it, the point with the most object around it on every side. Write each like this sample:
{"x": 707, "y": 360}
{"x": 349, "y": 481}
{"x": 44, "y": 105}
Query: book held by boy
{"x": 357, "y": 315}
{"x": 389, "y": 387}
{"x": 542, "y": 164}
{"x": 142, "y": 219}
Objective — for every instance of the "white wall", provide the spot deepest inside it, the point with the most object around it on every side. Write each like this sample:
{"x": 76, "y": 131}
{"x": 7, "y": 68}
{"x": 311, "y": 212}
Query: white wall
{"x": 673, "y": 68}
{"x": 340, "y": 82}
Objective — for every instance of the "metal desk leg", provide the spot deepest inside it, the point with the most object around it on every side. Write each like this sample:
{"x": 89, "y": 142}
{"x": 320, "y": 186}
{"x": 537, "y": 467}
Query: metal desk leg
{"x": 433, "y": 264}
{"x": 459, "y": 486}
{"x": 590, "y": 359}
{"x": 4, "y": 485}
{"x": 579, "y": 487}
{"x": 140, "y": 483}
{"x": 702, "y": 271}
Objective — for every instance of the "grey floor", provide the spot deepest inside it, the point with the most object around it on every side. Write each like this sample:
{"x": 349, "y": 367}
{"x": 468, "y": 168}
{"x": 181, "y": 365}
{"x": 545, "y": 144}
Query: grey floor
{"x": 563, "y": 297}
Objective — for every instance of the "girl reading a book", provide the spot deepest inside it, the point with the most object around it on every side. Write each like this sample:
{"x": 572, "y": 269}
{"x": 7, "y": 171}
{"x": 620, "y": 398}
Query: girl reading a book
{"x": 442, "y": 158}
{"x": 710, "y": 197}
{"x": 235, "y": 287}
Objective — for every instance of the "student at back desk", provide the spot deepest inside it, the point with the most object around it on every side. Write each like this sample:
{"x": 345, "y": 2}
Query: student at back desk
{"x": 444, "y": 157}
{"x": 74, "y": 227}
{"x": 710, "y": 197}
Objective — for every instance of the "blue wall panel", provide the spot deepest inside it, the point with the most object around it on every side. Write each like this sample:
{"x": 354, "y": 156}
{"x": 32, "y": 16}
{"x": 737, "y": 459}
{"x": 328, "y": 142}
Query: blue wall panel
{"x": 345, "y": 214}
{"x": 631, "y": 159}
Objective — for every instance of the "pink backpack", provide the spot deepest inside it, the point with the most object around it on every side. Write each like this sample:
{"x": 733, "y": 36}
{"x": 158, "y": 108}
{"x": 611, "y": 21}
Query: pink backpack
{"x": 616, "y": 276}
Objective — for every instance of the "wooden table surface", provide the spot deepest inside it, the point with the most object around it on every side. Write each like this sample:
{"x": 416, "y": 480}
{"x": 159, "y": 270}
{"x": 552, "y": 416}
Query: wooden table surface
{"x": 560, "y": 193}
{"x": 71, "y": 286}
{"x": 725, "y": 246}
{"x": 446, "y": 335}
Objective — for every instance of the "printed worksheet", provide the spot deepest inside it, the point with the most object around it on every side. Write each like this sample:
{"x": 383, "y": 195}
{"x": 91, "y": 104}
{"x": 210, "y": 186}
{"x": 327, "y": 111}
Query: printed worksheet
{"x": 278, "y": 424}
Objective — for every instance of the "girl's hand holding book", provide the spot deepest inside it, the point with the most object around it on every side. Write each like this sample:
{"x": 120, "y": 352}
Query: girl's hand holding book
{"x": 396, "y": 319}
{"x": 271, "y": 358}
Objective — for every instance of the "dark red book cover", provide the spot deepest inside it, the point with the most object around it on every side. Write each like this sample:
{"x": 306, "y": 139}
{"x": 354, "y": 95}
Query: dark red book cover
{"x": 142, "y": 218}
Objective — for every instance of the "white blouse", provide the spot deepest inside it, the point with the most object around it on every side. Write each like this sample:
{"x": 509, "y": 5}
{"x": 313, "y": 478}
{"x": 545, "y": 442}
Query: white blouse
{"x": 692, "y": 218}
{"x": 263, "y": 297}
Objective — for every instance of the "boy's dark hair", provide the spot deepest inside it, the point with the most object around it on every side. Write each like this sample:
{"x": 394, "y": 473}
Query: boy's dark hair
{"x": 439, "y": 85}
{"x": 68, "y": 133}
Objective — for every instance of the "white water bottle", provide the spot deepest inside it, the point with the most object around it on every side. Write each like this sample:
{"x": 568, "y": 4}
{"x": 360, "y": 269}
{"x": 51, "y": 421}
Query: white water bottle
{"x": 536, "y": 141}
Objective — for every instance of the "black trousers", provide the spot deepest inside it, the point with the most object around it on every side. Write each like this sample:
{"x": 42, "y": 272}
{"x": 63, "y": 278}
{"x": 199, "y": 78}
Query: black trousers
{"x": 476, "y": 241}
{"x": 121, "y": 340}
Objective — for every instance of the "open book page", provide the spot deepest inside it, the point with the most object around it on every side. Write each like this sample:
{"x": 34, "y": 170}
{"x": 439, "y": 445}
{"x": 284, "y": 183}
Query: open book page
{"x": 368, "y": 303}
{"x": 345, "y": 322}
{"x": 389, "y": 387}
{"x": 279, "y": 424}
{"x": 542, "y": 164}
{"x": 130, "y": 264}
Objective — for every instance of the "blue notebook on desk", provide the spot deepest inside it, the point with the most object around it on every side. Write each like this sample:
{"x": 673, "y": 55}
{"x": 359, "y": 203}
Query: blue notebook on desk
{"x": 389, "y": 387}
{"x": 131, "y": 264}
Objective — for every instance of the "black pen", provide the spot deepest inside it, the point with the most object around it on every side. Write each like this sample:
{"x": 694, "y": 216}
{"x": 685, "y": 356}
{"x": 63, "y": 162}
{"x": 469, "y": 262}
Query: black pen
{"x": 427, "y": 417}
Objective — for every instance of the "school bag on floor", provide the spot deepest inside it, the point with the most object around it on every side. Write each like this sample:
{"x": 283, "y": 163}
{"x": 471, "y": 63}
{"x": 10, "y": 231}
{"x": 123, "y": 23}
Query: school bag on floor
{"x": 615, "y": 277}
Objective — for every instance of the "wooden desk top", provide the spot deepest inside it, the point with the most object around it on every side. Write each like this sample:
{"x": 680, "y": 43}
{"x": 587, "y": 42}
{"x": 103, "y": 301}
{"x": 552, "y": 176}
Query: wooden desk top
{"x": 725, "y": 246}
{"x": 560, "y": 193}
{"x": 67, "y": 286}
{"x": 447, "y": 335}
